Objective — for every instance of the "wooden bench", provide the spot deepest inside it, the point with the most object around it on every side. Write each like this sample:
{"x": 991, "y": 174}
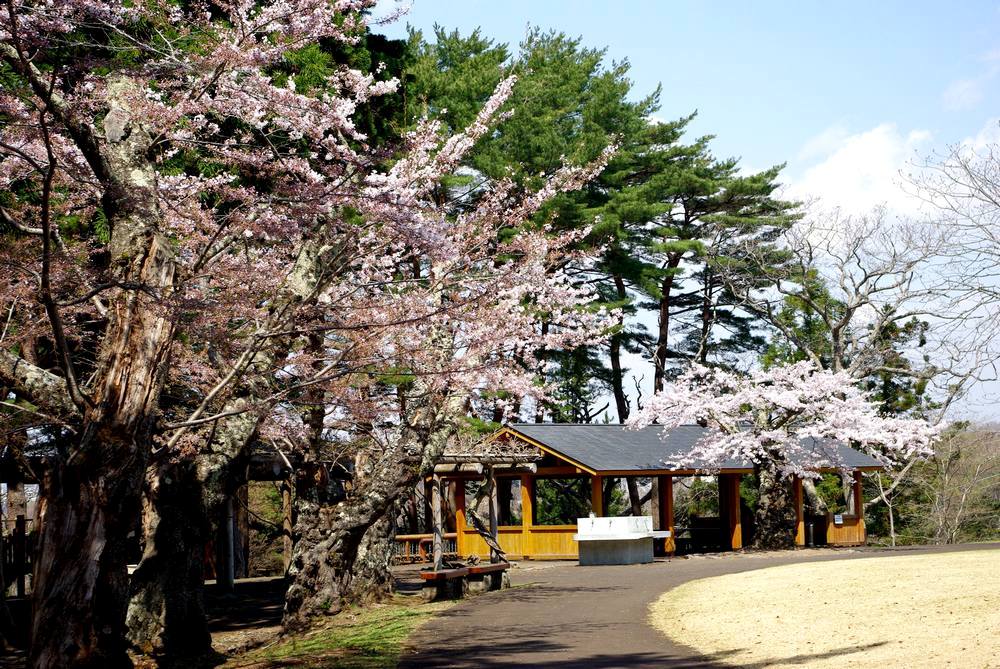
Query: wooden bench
{"x": 444, "y": 583}
{"x": 487, "y": 576}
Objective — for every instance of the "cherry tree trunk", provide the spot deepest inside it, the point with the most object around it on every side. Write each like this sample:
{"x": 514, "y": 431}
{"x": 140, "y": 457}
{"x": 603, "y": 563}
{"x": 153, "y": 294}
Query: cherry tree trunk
{"x": 372, "y": 577}
{"x": 335, "y": 565}
{"x": 80, "y": 584}
{"x": 342, "y": 551}
{"x": 323, "y": 555}
{"x": 91, "y": 495}
{"x": 774, "y": 518}
{"x": 166, "y": 615}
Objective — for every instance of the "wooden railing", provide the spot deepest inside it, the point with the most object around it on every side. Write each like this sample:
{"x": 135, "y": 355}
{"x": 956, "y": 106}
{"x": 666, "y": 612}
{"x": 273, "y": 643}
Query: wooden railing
{"x": 410, "y": 548}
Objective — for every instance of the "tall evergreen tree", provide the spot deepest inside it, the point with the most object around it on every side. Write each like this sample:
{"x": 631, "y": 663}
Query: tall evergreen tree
{"x": 666, "y": 215}
{"x": 566, "y": 107}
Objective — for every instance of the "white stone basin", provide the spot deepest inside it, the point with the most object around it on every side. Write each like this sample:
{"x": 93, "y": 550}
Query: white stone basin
{"x": 621, "y": 540}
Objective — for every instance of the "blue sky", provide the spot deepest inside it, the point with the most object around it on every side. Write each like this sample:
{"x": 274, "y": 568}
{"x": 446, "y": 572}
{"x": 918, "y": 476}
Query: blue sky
{"x": 785, "y": 82}
{"x": 848, "y": 94}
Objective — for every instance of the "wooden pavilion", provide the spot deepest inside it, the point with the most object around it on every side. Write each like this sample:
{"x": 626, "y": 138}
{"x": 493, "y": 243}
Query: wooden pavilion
{"x": 512, "y": 467}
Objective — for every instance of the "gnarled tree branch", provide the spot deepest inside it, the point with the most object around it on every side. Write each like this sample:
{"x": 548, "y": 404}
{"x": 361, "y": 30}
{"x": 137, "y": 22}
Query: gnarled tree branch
{"x": 38, "y": 386}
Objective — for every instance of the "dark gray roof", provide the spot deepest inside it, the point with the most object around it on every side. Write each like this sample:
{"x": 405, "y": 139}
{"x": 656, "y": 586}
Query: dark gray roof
{"x": 604, "y": 448}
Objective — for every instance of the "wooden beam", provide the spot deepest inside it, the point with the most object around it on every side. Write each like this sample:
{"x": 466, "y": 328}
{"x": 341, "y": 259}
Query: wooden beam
{"x": 425, "y": 493}
{"x": 654, "y": 503}
{"x": 800, "y": 519}
{"x": 665, "y": 509}
{"x": 668, "y": 472}
{"x": 597, "y": 495}
{"x": 559, "y": 471}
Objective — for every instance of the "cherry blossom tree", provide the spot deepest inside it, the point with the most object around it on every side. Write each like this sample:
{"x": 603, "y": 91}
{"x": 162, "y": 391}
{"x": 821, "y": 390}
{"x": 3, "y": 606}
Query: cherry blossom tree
{"x": 785, "y": 420}
{"x": 195, "y": 250}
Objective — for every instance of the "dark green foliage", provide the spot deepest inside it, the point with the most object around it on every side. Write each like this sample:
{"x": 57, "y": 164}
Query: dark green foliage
{"x": 901, "y": 392}
{"x": 799, "y": 316}
{"x": 749, "y": 491}
{"x": 700, "y": 498}
{"x": 898, "y": 385}
{"x": 580, "y": 381}
{"x": 830, "y": 489}
{"x": 266, "y": 533}
{"x": 451, "y": 78}
{"x": 561, "y": 501}
{"x": 616, "y": 499}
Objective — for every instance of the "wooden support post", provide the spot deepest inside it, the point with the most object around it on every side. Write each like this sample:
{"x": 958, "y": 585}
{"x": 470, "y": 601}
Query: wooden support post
{"x": 729, "y": 489}
{"x": 800, "y": 518}
{"x": 286, "y": 522}
{"x": 527, "y": 514}
{"x": 492, "y": 486}
{"x": 438, "y": 541}
{"x": 20, "y": 552}
{"x": 665, "y": 489}
{"x": 597, "y": 495}
{"x": 17, "y": 504}
{"x": 662, "y": 497}
{"x": 459, "y": 516}
{"x": 225, "y": 577}
{"x": 654, "y": 503}
{"x": 859, "y": 508}
{"x": 425, "y": 493}
{"x": 241, "y": 532}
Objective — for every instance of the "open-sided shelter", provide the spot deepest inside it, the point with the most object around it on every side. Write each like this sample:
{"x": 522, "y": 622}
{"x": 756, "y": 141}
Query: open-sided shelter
{"x": 540, "y": 465}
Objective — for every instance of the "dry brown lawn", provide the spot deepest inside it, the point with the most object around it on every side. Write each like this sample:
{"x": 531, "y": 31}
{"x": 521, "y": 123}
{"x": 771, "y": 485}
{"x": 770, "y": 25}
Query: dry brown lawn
{"x": 901, "y": 611}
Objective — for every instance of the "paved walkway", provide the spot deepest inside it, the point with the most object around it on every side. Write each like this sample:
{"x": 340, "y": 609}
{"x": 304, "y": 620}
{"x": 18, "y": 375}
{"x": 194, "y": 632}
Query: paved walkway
{"x": 564, "y": 615}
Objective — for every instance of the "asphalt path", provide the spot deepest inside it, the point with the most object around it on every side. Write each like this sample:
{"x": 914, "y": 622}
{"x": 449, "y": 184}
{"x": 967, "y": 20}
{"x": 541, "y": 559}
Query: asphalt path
{"x": 564, "y": 615}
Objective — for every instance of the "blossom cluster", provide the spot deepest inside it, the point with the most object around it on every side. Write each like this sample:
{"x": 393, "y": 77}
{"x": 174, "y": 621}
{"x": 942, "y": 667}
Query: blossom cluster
{"x": 251, "y": 176}
{"x": 793, "y": 415}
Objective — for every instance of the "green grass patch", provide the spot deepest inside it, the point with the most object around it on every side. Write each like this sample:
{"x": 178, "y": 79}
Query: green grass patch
{"x": 357, "y": 638}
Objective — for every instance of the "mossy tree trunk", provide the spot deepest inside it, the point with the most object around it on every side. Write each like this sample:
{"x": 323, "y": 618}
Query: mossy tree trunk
{"x": 166, "y": 617}
{"x": 774, "y": 519}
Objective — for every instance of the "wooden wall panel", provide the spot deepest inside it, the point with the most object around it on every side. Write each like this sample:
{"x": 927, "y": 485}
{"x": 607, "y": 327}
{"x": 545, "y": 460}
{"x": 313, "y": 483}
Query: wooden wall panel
{"x": 850, "y": 533}
{"x": 538, "y": 542}
{"x": 553, "y": 542}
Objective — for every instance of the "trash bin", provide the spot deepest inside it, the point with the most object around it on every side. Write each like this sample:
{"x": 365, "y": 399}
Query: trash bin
{"x": 810, "y": 535}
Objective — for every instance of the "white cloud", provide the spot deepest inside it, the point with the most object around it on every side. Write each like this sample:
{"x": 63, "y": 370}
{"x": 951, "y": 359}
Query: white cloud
{"x": 825, "y": 142}
{"x": 859, "y": 171}
{"x": 988, "y": 136}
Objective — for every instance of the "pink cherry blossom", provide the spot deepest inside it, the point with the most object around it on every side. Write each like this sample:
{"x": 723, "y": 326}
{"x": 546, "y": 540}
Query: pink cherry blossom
{"x": 783, "y": 414}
